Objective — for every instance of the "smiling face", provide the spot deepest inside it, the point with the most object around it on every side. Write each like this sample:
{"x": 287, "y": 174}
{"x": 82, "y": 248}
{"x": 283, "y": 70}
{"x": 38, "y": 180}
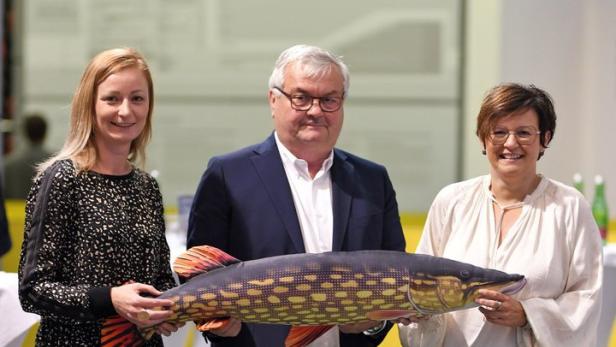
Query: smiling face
{"x": 512, "y": 159}
{"x": 313, "y": 129}
{"x": 121, "y": 108}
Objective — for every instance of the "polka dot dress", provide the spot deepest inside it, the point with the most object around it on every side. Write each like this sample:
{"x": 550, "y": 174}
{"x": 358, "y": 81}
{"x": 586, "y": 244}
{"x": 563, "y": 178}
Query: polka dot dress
{"x": 86, "y": 233}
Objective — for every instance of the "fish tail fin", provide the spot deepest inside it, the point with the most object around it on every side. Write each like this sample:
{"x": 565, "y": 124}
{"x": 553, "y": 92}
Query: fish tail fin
{"x": 201, "y": 259}
{"x": 301, "y": 336}
{"x": 118, "y": 331}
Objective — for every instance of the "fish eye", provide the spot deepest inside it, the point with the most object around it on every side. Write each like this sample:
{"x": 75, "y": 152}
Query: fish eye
{"x": 465, "y": 274}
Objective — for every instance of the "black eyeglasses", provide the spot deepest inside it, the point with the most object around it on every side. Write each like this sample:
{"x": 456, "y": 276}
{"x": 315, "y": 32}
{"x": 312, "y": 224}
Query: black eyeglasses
{"x": 304, "y": 102}
{"x": 524, "y": 135}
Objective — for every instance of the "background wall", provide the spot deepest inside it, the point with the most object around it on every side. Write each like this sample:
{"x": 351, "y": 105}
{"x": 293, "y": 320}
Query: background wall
{"x": 408, "y": 108}
{"x": 566, "y": 47}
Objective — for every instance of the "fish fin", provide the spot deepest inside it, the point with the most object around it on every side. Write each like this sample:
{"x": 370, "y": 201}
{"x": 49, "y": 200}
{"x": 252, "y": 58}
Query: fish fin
{"x": 118, "y": 331}
{"x": 300, "y": 336}
{"x": 206, "y": 325}
{"x": 201, "y": 259}
{"x": 390, "y": 314}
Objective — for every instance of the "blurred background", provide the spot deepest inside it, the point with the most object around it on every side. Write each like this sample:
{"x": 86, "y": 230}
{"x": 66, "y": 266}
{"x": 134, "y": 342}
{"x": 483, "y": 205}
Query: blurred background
{"x": 419, "y": 70}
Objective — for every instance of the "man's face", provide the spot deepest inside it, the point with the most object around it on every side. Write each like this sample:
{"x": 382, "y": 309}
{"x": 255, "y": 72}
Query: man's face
{"x": 313, "y": 129}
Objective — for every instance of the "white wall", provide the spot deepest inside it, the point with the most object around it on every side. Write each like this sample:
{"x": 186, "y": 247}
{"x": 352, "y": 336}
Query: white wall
{"x": 566, "y": 47}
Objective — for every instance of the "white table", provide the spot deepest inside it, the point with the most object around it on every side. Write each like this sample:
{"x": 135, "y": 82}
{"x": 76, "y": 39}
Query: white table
{"x": 14, "y": 322}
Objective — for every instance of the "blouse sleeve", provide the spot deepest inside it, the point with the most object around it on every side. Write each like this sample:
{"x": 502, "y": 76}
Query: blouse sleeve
{"x": 164, "y": 279}
{"x": 571, "y": 318}
{"x": 48, "y": 229}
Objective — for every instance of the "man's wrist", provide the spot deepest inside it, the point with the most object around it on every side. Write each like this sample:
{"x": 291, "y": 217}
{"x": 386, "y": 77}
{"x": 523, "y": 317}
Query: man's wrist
{"x": 375, "y": 330}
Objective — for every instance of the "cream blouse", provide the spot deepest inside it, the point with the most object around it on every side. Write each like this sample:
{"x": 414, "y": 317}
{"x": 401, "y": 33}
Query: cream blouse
{"x": 555, "y": 243}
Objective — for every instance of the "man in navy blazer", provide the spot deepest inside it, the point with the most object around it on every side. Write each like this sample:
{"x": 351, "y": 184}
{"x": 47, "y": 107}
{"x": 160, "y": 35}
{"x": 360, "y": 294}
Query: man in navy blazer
{"x": 296, "y": 193}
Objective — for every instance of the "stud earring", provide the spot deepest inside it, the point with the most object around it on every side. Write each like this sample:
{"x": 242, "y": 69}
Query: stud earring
{"x": 483, "y": 151}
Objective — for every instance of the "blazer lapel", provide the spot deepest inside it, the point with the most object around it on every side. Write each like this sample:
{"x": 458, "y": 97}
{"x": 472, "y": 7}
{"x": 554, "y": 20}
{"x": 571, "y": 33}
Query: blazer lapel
{"x": 343, "y": 183}
{"x": 269, "y": 167}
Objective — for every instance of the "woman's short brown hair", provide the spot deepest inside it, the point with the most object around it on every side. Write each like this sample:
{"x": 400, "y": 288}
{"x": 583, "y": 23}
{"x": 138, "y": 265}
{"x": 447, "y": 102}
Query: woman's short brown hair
{"x": 512, "y": 98}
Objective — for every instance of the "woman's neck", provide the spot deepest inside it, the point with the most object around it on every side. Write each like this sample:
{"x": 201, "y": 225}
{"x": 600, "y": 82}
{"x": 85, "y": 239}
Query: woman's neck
{"x": 510, "y": 191}
{"x": 112, "y": 161}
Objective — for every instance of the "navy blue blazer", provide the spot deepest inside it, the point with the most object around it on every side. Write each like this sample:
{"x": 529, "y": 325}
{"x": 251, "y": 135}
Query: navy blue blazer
{"x": 244, "y": 206}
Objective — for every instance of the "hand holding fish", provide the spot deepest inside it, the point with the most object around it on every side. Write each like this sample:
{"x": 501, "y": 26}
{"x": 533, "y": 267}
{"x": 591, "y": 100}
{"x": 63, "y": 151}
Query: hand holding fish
{"x": 231, "y": 328}
{"x": 357, "y": 328}
{"x": 130, "y": 304}
{"x": 501, "y": 309}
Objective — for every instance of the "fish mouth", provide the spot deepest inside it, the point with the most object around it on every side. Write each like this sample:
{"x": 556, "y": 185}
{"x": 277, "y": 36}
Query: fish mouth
{"x": 515, "y": 286}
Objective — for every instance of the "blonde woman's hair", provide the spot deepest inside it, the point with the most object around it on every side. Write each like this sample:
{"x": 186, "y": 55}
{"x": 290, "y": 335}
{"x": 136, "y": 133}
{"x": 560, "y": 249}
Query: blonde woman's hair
{"x": 79, "y": 145}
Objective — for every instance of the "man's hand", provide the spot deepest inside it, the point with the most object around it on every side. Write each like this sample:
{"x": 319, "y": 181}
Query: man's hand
{"x": 230, "y": 329}
{"x": 358, "y": 328}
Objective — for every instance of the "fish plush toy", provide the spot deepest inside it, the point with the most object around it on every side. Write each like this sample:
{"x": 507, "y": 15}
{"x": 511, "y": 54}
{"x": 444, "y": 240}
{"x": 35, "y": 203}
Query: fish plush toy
{"x": 313, "y": 292}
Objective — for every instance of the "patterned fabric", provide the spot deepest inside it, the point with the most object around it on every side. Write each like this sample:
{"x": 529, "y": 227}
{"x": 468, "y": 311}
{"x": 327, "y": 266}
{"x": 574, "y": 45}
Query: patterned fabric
{"x": 83, "y": 235}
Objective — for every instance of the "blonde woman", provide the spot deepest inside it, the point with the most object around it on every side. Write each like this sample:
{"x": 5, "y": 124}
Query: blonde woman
{"x": 94, "y": 243}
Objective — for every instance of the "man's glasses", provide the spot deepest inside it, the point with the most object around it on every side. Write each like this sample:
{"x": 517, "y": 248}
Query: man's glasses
{"x": 304, "y": 102}
{"x": 524, "y": 135}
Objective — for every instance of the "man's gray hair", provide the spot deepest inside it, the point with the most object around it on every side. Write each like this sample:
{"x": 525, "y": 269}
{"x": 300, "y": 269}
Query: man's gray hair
{"x": 315, "y": 62}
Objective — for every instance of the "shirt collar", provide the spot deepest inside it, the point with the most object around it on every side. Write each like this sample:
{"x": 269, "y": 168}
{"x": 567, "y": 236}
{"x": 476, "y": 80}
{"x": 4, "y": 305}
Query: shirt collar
{"x": 300, "y": 166}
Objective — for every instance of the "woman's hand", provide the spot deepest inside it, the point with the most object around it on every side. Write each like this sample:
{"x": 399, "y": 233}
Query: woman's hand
{"x": 501, "y": 309}
{"x": 130, "y": 304}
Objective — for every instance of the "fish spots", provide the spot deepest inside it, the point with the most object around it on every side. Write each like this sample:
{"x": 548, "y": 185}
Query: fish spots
{"x": 335, "y": 276}
{"x": 264, "y": 282}
{"x": 327, "y": 285}
{"x": 254, "y": 292}
{"x": 303, "y": 287}
{"x": 260, "y": 310}
{"x": 388, "y": 280}
{"x": 229, "y": 295}
{"x": 350, "y": 308}
{"x": 370, "y": 282}
{"x": 272, "y": 299}
{"x": 208, "y": 296}
{"x": 287, "y": 279}
{"x": 388, "y": 292}
{"x": 235, "y": 286}
{"x": 331, "y": 309}
{"x": 378, "y": 302}
{"x": 311, "y": 277}
{"x": 318, "y": 297}
{"x": 404, "y": 288}
{"x": 349, "y": 284}
{"x": 347, "y": 302}
{"x": 212, "y": 303}
{"x": 243, "y": 302}
{"x": 296, "y": 299}
{"x": 341, "y": 294}
{"x": 280, "y": 290}
{"x": 359, "y": 276}
{"x": 189, "y": 298}
{"x": 362, "y": 294}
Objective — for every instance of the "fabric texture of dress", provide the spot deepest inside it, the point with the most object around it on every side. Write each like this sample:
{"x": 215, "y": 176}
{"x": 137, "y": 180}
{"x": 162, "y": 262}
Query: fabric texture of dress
{"x": 86, "y": 233}
{"x": 554, "y": 242}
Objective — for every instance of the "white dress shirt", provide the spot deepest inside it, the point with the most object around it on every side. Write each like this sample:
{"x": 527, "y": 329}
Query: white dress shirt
{"x": 313, "y": 203}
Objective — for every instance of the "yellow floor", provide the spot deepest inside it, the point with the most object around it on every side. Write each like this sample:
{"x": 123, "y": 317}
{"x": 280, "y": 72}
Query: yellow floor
{"x": 411, "y": 223}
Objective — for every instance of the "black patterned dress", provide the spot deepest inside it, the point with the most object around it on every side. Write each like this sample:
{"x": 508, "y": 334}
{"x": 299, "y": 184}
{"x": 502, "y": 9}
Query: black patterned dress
{"x": 84, "y": 234}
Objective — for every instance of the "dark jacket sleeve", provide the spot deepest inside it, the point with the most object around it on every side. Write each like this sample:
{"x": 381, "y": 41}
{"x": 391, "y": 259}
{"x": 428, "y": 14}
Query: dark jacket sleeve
{"x": 49, "y": 212}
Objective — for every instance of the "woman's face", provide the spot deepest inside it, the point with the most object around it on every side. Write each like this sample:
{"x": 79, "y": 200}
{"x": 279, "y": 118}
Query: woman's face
{"x": 121, "y": 108}
{"x": 517, "y": 155}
